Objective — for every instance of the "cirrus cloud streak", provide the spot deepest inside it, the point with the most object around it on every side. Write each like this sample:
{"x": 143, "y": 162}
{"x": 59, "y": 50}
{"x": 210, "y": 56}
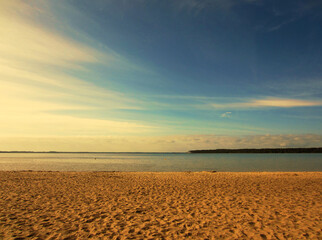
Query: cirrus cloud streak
{"x": 37, "y": 81}
{"x": 268, "y": 102}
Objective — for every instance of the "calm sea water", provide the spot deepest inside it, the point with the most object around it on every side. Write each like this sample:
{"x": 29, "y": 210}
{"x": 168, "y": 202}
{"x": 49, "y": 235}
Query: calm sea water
{"x": 159, "y": 162}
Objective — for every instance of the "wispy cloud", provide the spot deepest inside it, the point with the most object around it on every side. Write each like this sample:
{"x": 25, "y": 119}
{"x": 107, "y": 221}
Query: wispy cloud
{"x": 282, "y": 24}
{"x": 296, "y": 88}
{"x": 196, "y": 6}
{"x": 35, "y": 76}
{"x": 23, "y": 40}
{"x": 16, "y": 124}
{"x": 204, "y": 102}
{"x": 268, "y": 102}
{"x": 191, "y": 5}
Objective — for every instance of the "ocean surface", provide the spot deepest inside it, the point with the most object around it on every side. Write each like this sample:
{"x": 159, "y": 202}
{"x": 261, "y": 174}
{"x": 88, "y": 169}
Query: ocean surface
{"x": 160, "y": 162}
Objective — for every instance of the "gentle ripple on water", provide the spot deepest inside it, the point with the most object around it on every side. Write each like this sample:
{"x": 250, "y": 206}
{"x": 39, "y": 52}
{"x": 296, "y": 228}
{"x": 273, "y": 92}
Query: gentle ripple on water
{"x": 159, "y": 162}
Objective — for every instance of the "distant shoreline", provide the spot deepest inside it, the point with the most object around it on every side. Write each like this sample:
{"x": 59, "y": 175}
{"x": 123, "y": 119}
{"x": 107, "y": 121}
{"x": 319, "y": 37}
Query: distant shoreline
{"x": 242, "y": 150}
{"x": 261, "y": 150}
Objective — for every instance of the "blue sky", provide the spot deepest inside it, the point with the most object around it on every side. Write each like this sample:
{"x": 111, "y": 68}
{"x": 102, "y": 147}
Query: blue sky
{"x": 149, "y": 71}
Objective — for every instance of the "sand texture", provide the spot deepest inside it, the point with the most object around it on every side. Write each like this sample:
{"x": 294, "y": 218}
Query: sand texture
{"x": 188, "y": 205}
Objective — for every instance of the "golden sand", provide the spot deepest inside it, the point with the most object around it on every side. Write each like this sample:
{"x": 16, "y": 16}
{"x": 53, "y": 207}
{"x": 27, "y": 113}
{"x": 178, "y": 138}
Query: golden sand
{"x": 196, "y": 205}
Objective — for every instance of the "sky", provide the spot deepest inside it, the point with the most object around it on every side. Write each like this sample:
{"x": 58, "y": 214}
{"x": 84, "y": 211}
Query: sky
{"x": 152, "y": 75}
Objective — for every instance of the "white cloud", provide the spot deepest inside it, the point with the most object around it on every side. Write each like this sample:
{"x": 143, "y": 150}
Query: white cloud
{"x": 226, "y": 115}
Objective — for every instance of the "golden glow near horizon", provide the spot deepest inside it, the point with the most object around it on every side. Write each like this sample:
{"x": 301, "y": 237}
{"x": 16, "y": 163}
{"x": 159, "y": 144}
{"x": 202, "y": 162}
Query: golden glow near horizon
{"x": 173, "y": 143}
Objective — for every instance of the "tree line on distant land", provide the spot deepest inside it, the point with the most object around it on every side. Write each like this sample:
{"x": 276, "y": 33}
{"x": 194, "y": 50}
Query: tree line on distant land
{"x": 261, "y": 150}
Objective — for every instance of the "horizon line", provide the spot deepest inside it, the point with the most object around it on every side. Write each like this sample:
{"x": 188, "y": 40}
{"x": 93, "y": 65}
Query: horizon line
{"x": 189, "y": 151}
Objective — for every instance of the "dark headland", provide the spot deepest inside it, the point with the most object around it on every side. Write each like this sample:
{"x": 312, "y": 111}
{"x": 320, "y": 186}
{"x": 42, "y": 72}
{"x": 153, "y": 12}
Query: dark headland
{"x": 261, "y": 150}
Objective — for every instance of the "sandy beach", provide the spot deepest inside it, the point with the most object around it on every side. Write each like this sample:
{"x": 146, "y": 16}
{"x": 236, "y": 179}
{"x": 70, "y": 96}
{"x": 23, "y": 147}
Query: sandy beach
{"x": 187, "y": 205}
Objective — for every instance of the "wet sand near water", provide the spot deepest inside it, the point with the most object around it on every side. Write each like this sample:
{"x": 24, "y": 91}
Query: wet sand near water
{"x": 186, "y": 205}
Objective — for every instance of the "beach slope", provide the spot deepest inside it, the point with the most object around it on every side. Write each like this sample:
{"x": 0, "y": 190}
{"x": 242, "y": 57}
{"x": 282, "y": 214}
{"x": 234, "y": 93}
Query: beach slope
{"x": 187, "y": 205}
